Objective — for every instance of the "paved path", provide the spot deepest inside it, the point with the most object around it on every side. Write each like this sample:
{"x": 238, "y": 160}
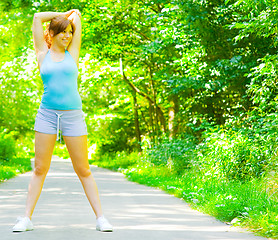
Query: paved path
{"x": 137, "y": 212}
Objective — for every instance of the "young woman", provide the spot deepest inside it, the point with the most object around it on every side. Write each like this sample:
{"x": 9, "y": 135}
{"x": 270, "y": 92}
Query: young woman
{"x": 57, "y": 51}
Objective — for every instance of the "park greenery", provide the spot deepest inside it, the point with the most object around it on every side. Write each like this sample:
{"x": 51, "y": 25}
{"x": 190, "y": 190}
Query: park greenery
{"x": 180, "y": 95}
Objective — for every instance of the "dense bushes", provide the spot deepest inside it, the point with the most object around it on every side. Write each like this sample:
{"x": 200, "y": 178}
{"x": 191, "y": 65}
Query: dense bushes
{"x": 233, "y": 156}
{"x": 177, "y": 154}
{"x": 7, "y": 147}
{"x": 116, "y": 161}
{"x": 111, "y": 134}
{"x": 14, "y": 155}
{"x": 223, "y": 154}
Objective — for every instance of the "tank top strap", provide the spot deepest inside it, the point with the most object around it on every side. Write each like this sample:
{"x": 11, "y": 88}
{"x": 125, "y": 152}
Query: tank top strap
{"x": 68, "y": 55}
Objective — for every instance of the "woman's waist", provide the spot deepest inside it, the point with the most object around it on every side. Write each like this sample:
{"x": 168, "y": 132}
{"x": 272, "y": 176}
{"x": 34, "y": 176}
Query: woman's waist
{"x": 54, "y": 112}
{"x": 61, "y": 102}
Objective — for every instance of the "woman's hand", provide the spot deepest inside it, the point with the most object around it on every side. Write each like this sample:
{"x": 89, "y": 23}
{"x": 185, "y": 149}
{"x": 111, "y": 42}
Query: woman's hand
{"x": 77, "y": 12}
{"x": 68, "y": 13}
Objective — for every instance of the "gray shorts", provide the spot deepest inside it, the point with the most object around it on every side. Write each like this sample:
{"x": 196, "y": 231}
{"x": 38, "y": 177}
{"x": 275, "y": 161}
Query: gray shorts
{"x": 71, "y": 123}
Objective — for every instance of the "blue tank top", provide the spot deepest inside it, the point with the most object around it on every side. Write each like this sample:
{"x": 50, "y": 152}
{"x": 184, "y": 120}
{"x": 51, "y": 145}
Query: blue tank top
{"x": 60, "y": 83}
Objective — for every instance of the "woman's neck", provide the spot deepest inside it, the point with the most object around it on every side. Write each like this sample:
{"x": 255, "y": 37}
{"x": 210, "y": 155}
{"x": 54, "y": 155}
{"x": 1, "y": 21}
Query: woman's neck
{"x": 57, "y": 49}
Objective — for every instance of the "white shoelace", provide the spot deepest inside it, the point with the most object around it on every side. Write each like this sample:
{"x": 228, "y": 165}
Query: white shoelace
{"x": 58, "y": 126}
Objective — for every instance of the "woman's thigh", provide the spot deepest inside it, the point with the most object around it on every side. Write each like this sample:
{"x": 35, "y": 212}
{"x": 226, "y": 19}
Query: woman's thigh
{"x": 78, "y": 150}
{"x": 44, "y": 145}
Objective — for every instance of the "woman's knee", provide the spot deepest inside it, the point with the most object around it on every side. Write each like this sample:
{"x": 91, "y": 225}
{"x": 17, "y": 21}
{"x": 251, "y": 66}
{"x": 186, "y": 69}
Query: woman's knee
{"x": 83, "y": 172}
{"x": 41, "y": 170}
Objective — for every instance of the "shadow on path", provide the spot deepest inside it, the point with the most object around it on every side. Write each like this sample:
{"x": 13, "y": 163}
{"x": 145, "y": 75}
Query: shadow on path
{"x": 136, "y": 211}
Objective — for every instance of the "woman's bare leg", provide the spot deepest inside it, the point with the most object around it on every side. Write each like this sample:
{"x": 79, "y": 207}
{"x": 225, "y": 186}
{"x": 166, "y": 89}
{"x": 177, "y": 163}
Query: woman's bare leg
{"x": 78, "y": 150}
{"x": 44, "y": 145}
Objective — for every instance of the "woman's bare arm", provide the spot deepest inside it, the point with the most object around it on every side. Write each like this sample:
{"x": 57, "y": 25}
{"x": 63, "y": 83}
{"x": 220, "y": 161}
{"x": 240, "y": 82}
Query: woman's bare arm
{"x": 74, "y": 47}
{"x": 38, "y": 32}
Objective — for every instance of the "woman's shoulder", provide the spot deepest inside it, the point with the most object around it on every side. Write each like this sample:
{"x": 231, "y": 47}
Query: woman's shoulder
{"x": 41, "y": 57}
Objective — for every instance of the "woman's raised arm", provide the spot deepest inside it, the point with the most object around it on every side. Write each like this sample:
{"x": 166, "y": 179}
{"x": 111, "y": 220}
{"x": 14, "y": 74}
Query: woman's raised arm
{"x": 74, "y": 47}
{"x": 38, "y": 32}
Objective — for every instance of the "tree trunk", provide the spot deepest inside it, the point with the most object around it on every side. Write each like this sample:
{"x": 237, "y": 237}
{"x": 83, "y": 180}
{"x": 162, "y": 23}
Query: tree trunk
{"x": 173, "y": 111}
{"x": 157, "y": 128}
{"x": 136, "y": 120}
{"x": 147, "y": 97}
{"x": 151, "y": 122}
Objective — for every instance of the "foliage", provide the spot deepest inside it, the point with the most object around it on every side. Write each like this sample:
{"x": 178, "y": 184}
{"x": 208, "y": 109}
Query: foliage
{"x": 106, "y": 102}
{"x": 17, "y": 166}
{"x": 20, "y": 87}
{"x": 117, "y": 161}
{"x": 61, "y": 151}
{"x": 231, "y": 155}
{"x": 199, "y": 61}
{"x": 263, "y": 86}
{"x": 177, "y": 154}
{"x": 14, "y": 156}
{"x": 195, "y": 60}
{"x": 7, "y": 147}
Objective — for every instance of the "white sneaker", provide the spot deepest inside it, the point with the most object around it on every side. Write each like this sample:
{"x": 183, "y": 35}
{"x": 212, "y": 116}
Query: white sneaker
{"x": 103, "y": 225}
{"x": 23, "y": 224}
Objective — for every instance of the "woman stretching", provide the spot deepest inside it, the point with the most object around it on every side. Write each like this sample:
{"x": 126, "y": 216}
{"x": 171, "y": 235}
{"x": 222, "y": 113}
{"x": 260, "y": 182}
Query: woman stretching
{"x": 57, "y": 52}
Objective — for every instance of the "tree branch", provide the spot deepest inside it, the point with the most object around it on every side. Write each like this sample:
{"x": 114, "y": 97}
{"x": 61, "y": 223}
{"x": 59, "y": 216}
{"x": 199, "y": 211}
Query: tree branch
{"x": 137, "y": 90}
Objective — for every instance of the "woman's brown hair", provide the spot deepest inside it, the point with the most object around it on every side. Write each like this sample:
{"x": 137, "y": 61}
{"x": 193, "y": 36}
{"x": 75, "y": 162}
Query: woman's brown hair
{"x": 56, "y": 25}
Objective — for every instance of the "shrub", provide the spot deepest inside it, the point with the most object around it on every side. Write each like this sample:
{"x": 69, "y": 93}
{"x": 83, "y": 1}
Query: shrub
{"x": 116, "y": 161}
{"x": 177, "y": 154}
{"x": 111, "y": 134}
{"x": 14, "y": 155}
{"x": 7, "y": 147}
{"x": 232, "y": 155}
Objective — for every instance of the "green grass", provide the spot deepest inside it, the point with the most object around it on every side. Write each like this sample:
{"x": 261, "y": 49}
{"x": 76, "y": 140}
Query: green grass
{"x": 250, "y": 204}
{"x": 116, "y": 162}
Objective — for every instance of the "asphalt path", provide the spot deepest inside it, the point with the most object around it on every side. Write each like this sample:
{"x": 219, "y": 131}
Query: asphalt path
{"x": 137, "y": 212}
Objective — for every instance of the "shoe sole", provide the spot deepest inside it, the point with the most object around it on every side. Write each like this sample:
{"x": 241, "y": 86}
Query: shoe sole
{"x": 104, "y": 230}
{"x": 23, "y": 230}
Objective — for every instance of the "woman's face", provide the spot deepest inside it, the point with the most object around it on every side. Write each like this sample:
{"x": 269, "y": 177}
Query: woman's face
{"x": 64, "y": 38}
